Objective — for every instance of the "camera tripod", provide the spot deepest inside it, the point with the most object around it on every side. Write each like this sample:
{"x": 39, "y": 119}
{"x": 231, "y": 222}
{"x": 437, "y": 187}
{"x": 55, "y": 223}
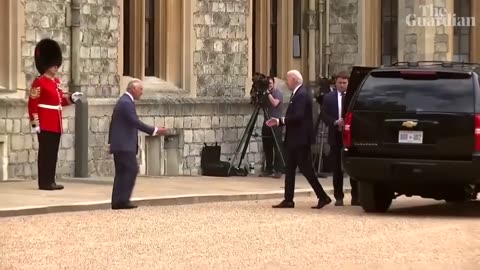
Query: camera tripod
{"x": 320, "y": 124}
{"x": 247, "y": 134}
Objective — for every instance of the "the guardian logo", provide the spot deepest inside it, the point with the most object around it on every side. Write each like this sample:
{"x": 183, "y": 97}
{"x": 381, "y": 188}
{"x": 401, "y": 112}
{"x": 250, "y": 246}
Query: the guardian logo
{"x": 437, "y": 16}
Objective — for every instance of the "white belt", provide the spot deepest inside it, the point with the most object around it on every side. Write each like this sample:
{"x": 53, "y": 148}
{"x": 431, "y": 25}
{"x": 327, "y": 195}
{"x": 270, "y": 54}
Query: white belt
{"x": 52, "y": 107}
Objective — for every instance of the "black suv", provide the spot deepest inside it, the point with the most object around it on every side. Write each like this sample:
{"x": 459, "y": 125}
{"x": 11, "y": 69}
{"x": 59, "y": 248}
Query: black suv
{"x": 413, "y": 129}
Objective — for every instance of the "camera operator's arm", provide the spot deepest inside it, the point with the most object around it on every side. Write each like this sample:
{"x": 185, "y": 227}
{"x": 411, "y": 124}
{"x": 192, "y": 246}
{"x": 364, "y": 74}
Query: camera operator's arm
{"x": 275, "y": 97}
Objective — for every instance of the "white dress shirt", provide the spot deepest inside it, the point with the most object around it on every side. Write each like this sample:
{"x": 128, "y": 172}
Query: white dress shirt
{"x": 130, "y": 95}
{"x": 339, "y": 96}
{"x": 295, "y": 90}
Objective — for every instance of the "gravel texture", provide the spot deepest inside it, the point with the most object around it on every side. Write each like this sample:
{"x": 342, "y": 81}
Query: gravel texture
{"x": 415, "y": 234}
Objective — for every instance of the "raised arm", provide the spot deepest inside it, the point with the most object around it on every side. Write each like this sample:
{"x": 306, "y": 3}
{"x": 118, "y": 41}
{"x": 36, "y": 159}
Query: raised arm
{"x": 128, "y": 111}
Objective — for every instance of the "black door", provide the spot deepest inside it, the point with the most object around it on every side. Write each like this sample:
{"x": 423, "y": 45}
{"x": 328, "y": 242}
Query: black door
{"x": 356, "y": 78}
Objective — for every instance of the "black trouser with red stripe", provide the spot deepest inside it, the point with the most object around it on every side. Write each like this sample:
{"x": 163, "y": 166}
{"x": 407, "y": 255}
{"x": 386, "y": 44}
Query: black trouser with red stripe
{"x": 48, "y": 144}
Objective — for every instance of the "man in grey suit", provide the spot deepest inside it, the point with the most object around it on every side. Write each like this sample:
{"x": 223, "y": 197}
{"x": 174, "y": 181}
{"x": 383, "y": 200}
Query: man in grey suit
{"x": 123, "y": 140}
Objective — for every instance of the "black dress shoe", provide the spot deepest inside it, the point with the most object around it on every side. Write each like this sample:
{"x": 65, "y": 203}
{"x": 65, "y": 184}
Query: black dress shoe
{"x": 123, "y": 206}
{"x": 51, "y": 187}
{"x": 323, "y": 202}
{"x": 284, "y": 204}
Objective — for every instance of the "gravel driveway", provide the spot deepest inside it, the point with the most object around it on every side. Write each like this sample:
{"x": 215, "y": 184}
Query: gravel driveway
{"x": 247, "y": 235}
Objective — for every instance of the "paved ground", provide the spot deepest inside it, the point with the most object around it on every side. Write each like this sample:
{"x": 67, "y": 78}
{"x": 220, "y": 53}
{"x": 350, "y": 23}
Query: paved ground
{"x": 416, "y": 234}
{"x": 23, "y": 197}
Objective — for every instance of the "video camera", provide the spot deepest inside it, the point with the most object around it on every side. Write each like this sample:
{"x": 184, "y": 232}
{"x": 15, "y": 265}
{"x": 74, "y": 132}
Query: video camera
{"x": 259, "y": 88}
{"x": 324, "y": 88}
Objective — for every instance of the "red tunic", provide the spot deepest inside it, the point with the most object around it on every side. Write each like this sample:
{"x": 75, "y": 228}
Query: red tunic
{"x": 45, "y": 104}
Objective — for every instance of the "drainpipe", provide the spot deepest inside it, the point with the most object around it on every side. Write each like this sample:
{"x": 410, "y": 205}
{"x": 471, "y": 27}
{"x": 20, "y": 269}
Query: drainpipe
{"x": 81, "y": 107}
{"x": 321, "y": 10}
{"x": 327, "y": 39}
{"x": 311, "y": 42}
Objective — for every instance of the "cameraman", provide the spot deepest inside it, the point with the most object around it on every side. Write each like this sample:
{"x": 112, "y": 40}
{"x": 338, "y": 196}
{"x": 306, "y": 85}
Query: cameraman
{"x": 274, "y": 109}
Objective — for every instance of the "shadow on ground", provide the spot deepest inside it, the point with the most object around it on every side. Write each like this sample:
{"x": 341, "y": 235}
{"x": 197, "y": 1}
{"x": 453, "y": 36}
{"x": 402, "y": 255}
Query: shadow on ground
{"x": 438, "y": 209}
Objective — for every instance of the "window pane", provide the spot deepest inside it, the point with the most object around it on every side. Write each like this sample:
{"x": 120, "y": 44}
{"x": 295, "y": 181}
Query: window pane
{"x": 386, "y": 38}
{"x": 397, "y": 94}
{"x": 386, "y": 7}
{"x": 464, "y": 44}
{"x": 386, "y": 59}
{"x": 464, "y": 8}
{"x": 389, "y": 34}
{"x": 394, "y": 8}
{"x": 456, "y": 44}
{"x": 126, "y": 37}
{"x": 297, "y": 17}
{"x": 394, "y": 35}
{"x": 465, "y": 30}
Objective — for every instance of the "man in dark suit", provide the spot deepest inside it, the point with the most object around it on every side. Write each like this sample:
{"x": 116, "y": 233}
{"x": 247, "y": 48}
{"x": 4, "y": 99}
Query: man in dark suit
{"x": 332, "y": 115}
{"x": 123, "y": 140}
{"x": 299, "y": 136}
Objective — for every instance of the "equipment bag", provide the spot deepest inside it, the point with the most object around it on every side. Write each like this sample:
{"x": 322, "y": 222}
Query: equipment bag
{"x": 210, "y": 161}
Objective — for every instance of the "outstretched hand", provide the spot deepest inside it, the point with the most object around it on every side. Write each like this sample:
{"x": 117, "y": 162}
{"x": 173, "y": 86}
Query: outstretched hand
{"x": 76, "y": 96}
{"x": 161, "y": 131}
{"x": 272, "y": 122}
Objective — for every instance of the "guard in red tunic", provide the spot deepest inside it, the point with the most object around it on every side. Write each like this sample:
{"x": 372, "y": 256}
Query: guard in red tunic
{"x": 45, "y": 110}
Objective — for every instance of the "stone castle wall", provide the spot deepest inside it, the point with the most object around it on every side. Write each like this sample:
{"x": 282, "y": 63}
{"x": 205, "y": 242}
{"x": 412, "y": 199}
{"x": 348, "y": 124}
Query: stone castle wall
{"x": 219, "y": 113}
{"x": 99, "y": 40}
{"x": 343, "y": 35}
{"x": 197, "y": 121}
{"x": 220, "y": 57}
{"x": 221, "y": 52}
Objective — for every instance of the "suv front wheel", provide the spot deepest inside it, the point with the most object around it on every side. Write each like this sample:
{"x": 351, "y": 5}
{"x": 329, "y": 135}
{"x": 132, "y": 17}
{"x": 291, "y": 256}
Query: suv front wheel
{"x": 375, "y": 197}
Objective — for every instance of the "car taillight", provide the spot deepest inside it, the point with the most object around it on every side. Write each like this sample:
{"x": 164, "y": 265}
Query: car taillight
{"x": 347, "y": 131}
{"x": 477, "y": 132}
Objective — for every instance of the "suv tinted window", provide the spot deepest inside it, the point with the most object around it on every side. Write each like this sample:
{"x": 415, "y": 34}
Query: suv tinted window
{"x": 398, "y": 94}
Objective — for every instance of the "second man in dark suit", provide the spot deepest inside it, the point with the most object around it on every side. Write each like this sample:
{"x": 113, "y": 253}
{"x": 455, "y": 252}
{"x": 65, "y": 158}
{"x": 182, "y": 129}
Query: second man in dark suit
{"x": 299, "y": 136}
{"x": 332, "y": 115}
{"x": 123, "y": 140}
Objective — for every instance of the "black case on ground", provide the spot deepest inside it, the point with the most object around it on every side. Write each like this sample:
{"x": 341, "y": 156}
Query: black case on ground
{"x": 210, "y": 161}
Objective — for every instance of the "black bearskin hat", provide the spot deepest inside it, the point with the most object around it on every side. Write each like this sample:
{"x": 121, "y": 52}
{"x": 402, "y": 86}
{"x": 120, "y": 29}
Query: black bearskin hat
{"x": 47, "y": 54}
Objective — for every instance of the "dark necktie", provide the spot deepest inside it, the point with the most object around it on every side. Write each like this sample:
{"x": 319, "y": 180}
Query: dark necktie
{"x": 291, "y": 96}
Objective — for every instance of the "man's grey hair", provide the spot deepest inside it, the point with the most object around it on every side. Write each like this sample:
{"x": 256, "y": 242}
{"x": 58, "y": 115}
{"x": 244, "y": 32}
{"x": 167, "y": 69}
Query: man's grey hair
{"x": 132, "y": 84}
{"x": 297, "y": 75}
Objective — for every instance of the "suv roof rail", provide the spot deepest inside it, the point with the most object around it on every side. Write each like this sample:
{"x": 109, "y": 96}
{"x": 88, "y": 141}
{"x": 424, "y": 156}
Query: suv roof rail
{"x": 435, "y": 63}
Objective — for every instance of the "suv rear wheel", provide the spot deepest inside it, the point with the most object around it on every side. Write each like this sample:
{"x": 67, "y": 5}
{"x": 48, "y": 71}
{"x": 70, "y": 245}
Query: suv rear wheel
{"x": 375, "y": 197}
